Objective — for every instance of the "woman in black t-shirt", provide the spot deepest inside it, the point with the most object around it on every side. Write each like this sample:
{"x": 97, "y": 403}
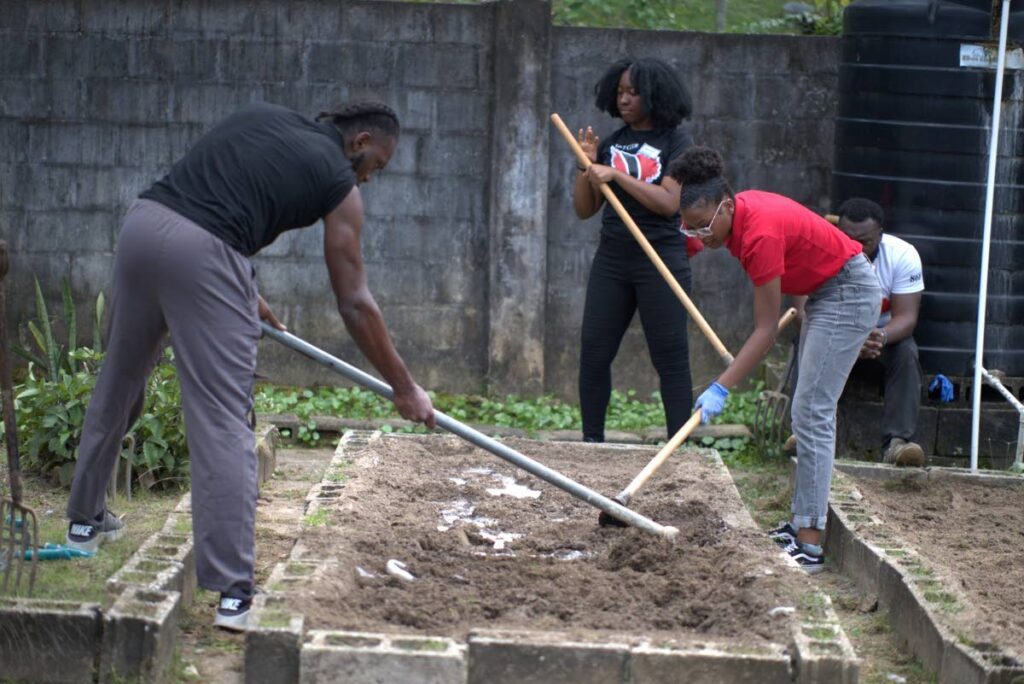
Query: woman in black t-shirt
{"x": 651, "y": 101}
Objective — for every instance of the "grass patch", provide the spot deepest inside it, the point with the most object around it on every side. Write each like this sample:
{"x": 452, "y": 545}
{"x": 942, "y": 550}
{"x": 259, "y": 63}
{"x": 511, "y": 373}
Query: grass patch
{"x": 84, "y": 579}
{"x": 319, "y": 518}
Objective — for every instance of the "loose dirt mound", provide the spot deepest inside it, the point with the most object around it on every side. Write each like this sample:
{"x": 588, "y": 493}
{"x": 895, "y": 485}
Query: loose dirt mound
{"x": 492, "y": 547}
{"x": 973, "y": 535}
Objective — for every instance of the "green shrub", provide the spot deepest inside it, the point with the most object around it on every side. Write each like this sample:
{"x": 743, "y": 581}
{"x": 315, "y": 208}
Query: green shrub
{"x": 50, "y": 404}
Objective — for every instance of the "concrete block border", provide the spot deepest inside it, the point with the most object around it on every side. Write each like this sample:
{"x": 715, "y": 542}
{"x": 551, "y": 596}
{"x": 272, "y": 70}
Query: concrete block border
{"x": 66, "y": 641}
{"x": 365, "y": 658}
{"x": 51, "y": 641}
{"x": 880, "y": 564}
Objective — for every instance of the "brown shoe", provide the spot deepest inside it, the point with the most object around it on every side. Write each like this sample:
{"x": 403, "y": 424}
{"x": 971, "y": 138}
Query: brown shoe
{"x": 790, "y": 446}
{"x": 904, "y": 454}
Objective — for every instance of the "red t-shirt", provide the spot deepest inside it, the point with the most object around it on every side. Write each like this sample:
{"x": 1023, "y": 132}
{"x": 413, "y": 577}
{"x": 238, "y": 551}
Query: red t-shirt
{"x": 773, "y": 236}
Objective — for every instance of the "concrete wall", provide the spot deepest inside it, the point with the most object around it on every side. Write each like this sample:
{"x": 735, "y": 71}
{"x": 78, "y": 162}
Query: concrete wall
{"x": 471, "y": 245}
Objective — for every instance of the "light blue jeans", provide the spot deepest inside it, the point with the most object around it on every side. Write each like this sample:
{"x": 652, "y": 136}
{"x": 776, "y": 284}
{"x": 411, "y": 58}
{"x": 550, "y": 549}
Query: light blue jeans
{"x": 839, "y": 316}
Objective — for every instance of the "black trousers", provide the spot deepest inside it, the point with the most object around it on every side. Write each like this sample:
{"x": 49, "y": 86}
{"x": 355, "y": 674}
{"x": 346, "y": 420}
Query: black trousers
{"x": 901, "y": 370}
{"x": 622, "y": 281}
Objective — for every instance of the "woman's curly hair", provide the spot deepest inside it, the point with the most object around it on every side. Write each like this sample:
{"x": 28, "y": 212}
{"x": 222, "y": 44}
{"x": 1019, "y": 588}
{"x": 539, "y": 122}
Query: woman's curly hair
{"x": 699, "y": 171}
{"x": 665, "y": 98}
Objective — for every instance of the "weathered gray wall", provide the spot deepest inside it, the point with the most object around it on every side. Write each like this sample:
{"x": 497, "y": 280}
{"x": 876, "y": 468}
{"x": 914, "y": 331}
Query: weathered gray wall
{"x": 479, "y": 286}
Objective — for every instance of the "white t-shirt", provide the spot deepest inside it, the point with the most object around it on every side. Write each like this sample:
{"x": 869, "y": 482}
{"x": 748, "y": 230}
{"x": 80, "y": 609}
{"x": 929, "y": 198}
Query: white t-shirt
{"x": 898, "y": 267}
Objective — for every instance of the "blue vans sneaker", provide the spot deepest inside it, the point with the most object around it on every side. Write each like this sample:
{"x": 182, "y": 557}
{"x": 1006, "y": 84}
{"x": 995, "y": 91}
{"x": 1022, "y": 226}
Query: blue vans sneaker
{"x": 809, "y": 557}
{"x": 232, "y": 613}
{"x": 783, "y": 535}
{"x": 89, "y": 534}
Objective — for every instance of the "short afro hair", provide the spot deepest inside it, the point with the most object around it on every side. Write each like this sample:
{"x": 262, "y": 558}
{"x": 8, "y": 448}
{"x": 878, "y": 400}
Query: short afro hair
{"x": 665, "y": 98}
{"x": 859, "y": 209}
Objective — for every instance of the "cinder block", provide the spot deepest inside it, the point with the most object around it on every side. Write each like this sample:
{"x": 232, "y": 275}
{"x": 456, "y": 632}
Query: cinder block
{"x": 355, "y": 64}
{"x": 273, "y": 642}
{"x": 709, "y": 665}
{"x": 21, "y": 58}
{"x": 425, "y": 65}
{"x": 259, "y": 60}
{"x": 154, "y": 574}
{"x": 172, "y": 58}
{"x": 123, "y": 17}
{"x": 126, "y": 101}
{"x": 508, "y": 659}
{"x": 464, "y": 112}
{"x": 86, "y": 56}
{"x": 139, "y": 633}
{"x": 48, "y": 641}
{"x": 294, "y": 576}
{"x": 362, "y": 658}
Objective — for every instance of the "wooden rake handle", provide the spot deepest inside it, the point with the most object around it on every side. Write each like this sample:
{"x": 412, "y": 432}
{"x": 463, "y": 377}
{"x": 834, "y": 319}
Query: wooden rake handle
{"x": 645, "y": 245}
{"x": 787, "y": 318}
{"x": 640, "y": 480}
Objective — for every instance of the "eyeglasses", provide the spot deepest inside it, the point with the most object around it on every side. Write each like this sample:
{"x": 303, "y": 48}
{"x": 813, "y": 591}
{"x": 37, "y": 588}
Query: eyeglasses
{"x": 706, "y": 230}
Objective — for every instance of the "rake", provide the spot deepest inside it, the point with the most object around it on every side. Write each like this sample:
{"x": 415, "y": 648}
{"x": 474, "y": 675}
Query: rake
{"x": 19, "y": 529}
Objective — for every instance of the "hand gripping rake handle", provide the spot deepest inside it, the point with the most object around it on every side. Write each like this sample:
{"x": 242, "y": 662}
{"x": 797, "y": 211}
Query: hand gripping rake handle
{"x": 476, "y": 438}
{"x": 646, "y": 246}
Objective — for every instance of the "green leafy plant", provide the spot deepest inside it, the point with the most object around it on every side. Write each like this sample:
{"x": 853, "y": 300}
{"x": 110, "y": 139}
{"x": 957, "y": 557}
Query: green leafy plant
{"x": 825, "y": 19}
{"x": 50, "y": 404}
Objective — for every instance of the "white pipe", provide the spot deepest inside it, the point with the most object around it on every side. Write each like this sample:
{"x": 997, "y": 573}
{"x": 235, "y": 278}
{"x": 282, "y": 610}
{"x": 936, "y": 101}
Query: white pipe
{"x": 1018, "y": 459}
{"x": 990, "y": 188}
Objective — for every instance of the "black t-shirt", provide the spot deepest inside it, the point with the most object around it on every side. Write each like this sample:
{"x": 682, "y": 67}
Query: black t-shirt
{"x": 261, "y": 171}
{"x": 644, "y": 155}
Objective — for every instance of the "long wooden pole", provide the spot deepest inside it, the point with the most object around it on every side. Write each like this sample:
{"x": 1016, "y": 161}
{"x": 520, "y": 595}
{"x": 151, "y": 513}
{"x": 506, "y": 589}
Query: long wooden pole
{"x": 646, "y": 246}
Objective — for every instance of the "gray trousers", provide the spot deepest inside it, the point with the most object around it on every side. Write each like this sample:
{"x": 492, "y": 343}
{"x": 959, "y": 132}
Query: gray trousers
{"x": 839, "y": 316}
{"x": 170, "y": 275}
{"x": 901, "y": 370}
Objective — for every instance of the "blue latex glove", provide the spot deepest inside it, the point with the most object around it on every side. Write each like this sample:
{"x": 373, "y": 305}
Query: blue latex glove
{"x": 711, "y": 402}
{"x": 943, "y": 387}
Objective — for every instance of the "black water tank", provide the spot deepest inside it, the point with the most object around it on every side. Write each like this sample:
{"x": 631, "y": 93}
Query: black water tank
{"x": 912, "y": 133}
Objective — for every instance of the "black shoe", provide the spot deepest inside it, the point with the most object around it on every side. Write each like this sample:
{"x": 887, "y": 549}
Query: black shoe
{"x": 783, "y": 535}
{"x": 232, "y": 613}
{"x": 811, "y": 563}
{"x": 88, "y": 535}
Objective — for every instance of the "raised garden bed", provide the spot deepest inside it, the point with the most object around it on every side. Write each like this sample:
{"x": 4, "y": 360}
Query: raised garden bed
{"x": 515, "y": 579}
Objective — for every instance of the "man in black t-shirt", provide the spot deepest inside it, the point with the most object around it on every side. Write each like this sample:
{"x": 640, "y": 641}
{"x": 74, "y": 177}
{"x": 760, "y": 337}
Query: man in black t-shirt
{"x": 182, "y": 266}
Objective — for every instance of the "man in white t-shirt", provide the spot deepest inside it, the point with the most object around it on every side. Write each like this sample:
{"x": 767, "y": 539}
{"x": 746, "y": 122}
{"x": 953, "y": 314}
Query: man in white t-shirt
{"x": 890, "y": 347}
{"x": 891, "y": 344}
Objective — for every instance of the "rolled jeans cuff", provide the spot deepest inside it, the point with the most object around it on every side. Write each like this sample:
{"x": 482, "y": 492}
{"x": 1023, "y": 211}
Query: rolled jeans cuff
{"x": 809, "y": 521}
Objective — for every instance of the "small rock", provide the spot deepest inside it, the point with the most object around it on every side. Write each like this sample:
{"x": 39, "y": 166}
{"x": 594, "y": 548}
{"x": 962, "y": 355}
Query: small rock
{"x": 898, "y": 679}
{"x": 868, "y": 604}
{"x": 782, "y": 610}
{"x": 191, "y": 672}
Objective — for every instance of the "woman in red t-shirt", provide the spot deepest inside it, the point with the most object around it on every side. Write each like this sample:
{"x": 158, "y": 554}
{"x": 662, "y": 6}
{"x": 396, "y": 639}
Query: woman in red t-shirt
{"x": 787, "y": 249}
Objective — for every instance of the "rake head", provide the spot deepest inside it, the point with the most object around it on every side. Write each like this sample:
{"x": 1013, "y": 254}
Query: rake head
{"x": 18, "y": 532}
{"x": 770, "y": 417}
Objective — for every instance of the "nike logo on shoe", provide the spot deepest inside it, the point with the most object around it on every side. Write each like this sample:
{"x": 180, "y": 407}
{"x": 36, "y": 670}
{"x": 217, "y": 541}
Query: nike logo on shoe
{"x": 230, "y": 603}
{"x": 80, "y": 530}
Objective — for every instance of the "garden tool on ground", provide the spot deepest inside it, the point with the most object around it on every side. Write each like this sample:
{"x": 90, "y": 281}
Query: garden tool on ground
{"x": 19, "y": 529}
{"x": 584, "y": 161}
{"x": 476, "y": 438}
{"x": 623, "y": 497}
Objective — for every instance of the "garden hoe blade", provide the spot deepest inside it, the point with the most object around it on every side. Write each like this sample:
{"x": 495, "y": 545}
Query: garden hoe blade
{"x": 18, "y": 527}
{"x": 623, "y": 497}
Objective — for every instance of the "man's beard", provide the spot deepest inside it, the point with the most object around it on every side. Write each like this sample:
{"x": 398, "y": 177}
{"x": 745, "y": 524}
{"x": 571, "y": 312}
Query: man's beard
{"x": 357, "y": 162}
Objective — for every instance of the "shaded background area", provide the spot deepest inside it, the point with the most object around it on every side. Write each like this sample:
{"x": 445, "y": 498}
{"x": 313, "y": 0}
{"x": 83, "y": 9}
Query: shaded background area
{"x": 471, "y": 244}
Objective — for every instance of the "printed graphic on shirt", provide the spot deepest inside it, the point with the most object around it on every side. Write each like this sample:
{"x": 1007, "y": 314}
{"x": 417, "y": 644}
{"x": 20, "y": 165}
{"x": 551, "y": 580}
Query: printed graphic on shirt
{"x": 644, "y": 165}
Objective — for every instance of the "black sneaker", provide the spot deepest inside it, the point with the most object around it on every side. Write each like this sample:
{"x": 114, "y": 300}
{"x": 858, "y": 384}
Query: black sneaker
{"x": 811, "y": 563}
{"x": 232, "y": 613}
{"x": 783, "y": 535}
{"x": 88, "y": 535}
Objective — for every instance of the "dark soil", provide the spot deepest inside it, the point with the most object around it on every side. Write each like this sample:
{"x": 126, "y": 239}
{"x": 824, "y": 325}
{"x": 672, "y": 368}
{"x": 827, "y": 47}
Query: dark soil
{"x": 563, "y": 572}
{"x": 973, "y": 536}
